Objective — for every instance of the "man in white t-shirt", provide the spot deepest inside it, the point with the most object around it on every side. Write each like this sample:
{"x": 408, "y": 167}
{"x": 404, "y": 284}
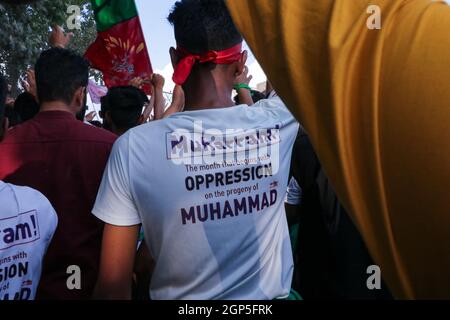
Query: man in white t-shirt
{"x": 207, "y": 185}
{"x": 27, "y": 225}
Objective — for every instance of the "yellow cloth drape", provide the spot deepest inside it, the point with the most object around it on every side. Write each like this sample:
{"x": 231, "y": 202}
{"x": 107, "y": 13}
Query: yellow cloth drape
{"x": 376, "y": 104}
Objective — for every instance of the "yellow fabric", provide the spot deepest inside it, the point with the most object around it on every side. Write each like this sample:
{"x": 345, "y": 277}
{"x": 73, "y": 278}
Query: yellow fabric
{"x": 376, "y": 104}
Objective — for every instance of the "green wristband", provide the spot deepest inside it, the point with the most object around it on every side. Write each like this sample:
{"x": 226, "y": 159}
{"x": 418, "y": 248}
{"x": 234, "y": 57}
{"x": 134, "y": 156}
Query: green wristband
{"x": 242, "y": 86}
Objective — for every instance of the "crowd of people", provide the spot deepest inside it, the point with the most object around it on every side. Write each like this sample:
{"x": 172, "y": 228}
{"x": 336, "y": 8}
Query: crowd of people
{"x": 212, "y": 197}
{"x": 76, "y": 195}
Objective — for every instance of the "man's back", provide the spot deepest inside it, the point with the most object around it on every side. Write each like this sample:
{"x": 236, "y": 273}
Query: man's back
{"x": 27, "y": 224}
{"x": 210, "y": 198}
{"x": 64, "y": 159}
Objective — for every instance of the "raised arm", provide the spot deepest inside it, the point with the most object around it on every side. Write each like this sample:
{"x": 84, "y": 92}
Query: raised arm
{"x": 241, "y": 85}
{"x": 177, "y": 104}
{"x": 148, "y": 109}
{"x": 58, "y": 38}
{"x": 139, "y": 82}
{"x": 160, "y": 102}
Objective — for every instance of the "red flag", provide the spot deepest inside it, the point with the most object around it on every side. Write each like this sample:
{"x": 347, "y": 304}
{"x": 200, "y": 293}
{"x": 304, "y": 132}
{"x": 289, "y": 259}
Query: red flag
{"x": 119, "y": 51}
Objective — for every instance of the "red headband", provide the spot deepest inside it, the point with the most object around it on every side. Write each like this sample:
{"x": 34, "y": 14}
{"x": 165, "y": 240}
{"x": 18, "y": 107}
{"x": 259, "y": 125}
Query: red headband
{"x": 184, "y": 67}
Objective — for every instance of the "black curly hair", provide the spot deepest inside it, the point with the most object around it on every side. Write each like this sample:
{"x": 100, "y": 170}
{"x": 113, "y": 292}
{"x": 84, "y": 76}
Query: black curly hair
{"x": 203, "y": 25}
{"x": 124, "y": 104}
{"x": 59, "y": 73}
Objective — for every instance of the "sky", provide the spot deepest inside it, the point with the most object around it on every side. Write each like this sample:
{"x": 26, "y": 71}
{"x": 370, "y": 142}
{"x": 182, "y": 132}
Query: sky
{"x": 159, "y": 38}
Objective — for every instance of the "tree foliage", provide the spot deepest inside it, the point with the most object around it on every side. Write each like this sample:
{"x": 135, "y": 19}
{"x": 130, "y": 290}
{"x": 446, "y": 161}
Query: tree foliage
{"x": 25, "y": 31}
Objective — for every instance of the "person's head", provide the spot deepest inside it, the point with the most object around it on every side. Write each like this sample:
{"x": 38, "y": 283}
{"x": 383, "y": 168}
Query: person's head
{"x": 121, "y": 108}
{"x": 26, "y": 106}
{"x": 3, "y": 120}
{"x": 62, "y": 77}
{"x": 202, "y": 27}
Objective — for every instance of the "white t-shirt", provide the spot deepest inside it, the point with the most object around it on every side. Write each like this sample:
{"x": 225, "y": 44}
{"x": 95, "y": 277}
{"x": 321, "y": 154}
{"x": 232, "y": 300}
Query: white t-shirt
{"x": 27, "y": 224}
{"x": 294, "y": 193}
{"x": 209, "y": 188}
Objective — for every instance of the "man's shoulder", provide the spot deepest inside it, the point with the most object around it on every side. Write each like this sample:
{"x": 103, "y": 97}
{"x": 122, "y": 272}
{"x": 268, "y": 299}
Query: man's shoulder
{"x": 27, "y": 196}
{"x": 149, "y": 137}
{"x": 264, "y": 111}
{"x": 18, "y": 133}
{"x": 31, "y": 131}
{"x": 29, "y": 203}
{"x": 149, "y": 130}
{"x": 275, "y": 107}
{"x": 94, "y": 134}
{"x": 27, "y": 191}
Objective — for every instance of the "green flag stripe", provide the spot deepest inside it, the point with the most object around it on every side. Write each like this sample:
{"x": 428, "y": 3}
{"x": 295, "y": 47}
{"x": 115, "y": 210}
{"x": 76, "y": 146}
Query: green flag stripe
{"x": 100, "y": 6}
{"x": 108, "y": 13}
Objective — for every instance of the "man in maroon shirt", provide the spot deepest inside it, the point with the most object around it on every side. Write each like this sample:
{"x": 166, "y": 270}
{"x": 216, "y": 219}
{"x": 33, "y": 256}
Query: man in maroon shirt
{"x": 64, "y": 159}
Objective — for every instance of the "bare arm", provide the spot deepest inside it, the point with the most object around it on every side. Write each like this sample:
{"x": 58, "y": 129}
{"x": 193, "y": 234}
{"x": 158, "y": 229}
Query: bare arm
{"x": 160, "y": 102}
{"x": 177, "y": 102}
{"x": 116, "y": 263}
{"x": 244, "y": 95}
{"x": 139, "y": 82}
{"x": 58, "y": 39}
{"x": 148, "y": 109}
{"x": 30, "y": 84}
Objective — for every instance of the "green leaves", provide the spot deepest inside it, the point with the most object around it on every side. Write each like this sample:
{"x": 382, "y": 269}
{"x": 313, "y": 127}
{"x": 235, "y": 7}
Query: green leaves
{"x": 25, "y": 31}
